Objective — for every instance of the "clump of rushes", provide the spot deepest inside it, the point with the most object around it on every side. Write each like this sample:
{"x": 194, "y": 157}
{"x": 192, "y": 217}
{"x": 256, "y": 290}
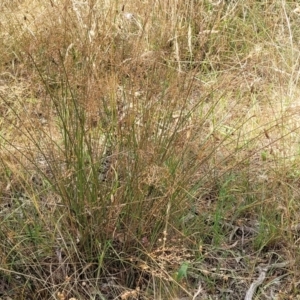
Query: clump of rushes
{"x": 148, "y": 150}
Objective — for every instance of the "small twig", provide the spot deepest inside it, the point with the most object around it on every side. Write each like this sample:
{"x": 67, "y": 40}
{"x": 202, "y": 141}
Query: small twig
{"x": 256, "y": 284}
{"x": 261, "y": 278}
{"x": 198, "y": 291}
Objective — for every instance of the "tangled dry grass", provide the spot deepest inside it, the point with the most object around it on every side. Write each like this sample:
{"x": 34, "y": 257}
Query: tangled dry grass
{"x": 149, "y": 150}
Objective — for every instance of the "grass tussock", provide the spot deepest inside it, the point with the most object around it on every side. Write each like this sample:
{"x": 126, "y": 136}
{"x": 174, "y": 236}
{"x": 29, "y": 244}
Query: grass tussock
{"x": 149, "y": 150}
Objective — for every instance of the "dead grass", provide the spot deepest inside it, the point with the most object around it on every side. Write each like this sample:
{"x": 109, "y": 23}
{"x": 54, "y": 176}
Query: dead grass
{"x": 150, "y": 150}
